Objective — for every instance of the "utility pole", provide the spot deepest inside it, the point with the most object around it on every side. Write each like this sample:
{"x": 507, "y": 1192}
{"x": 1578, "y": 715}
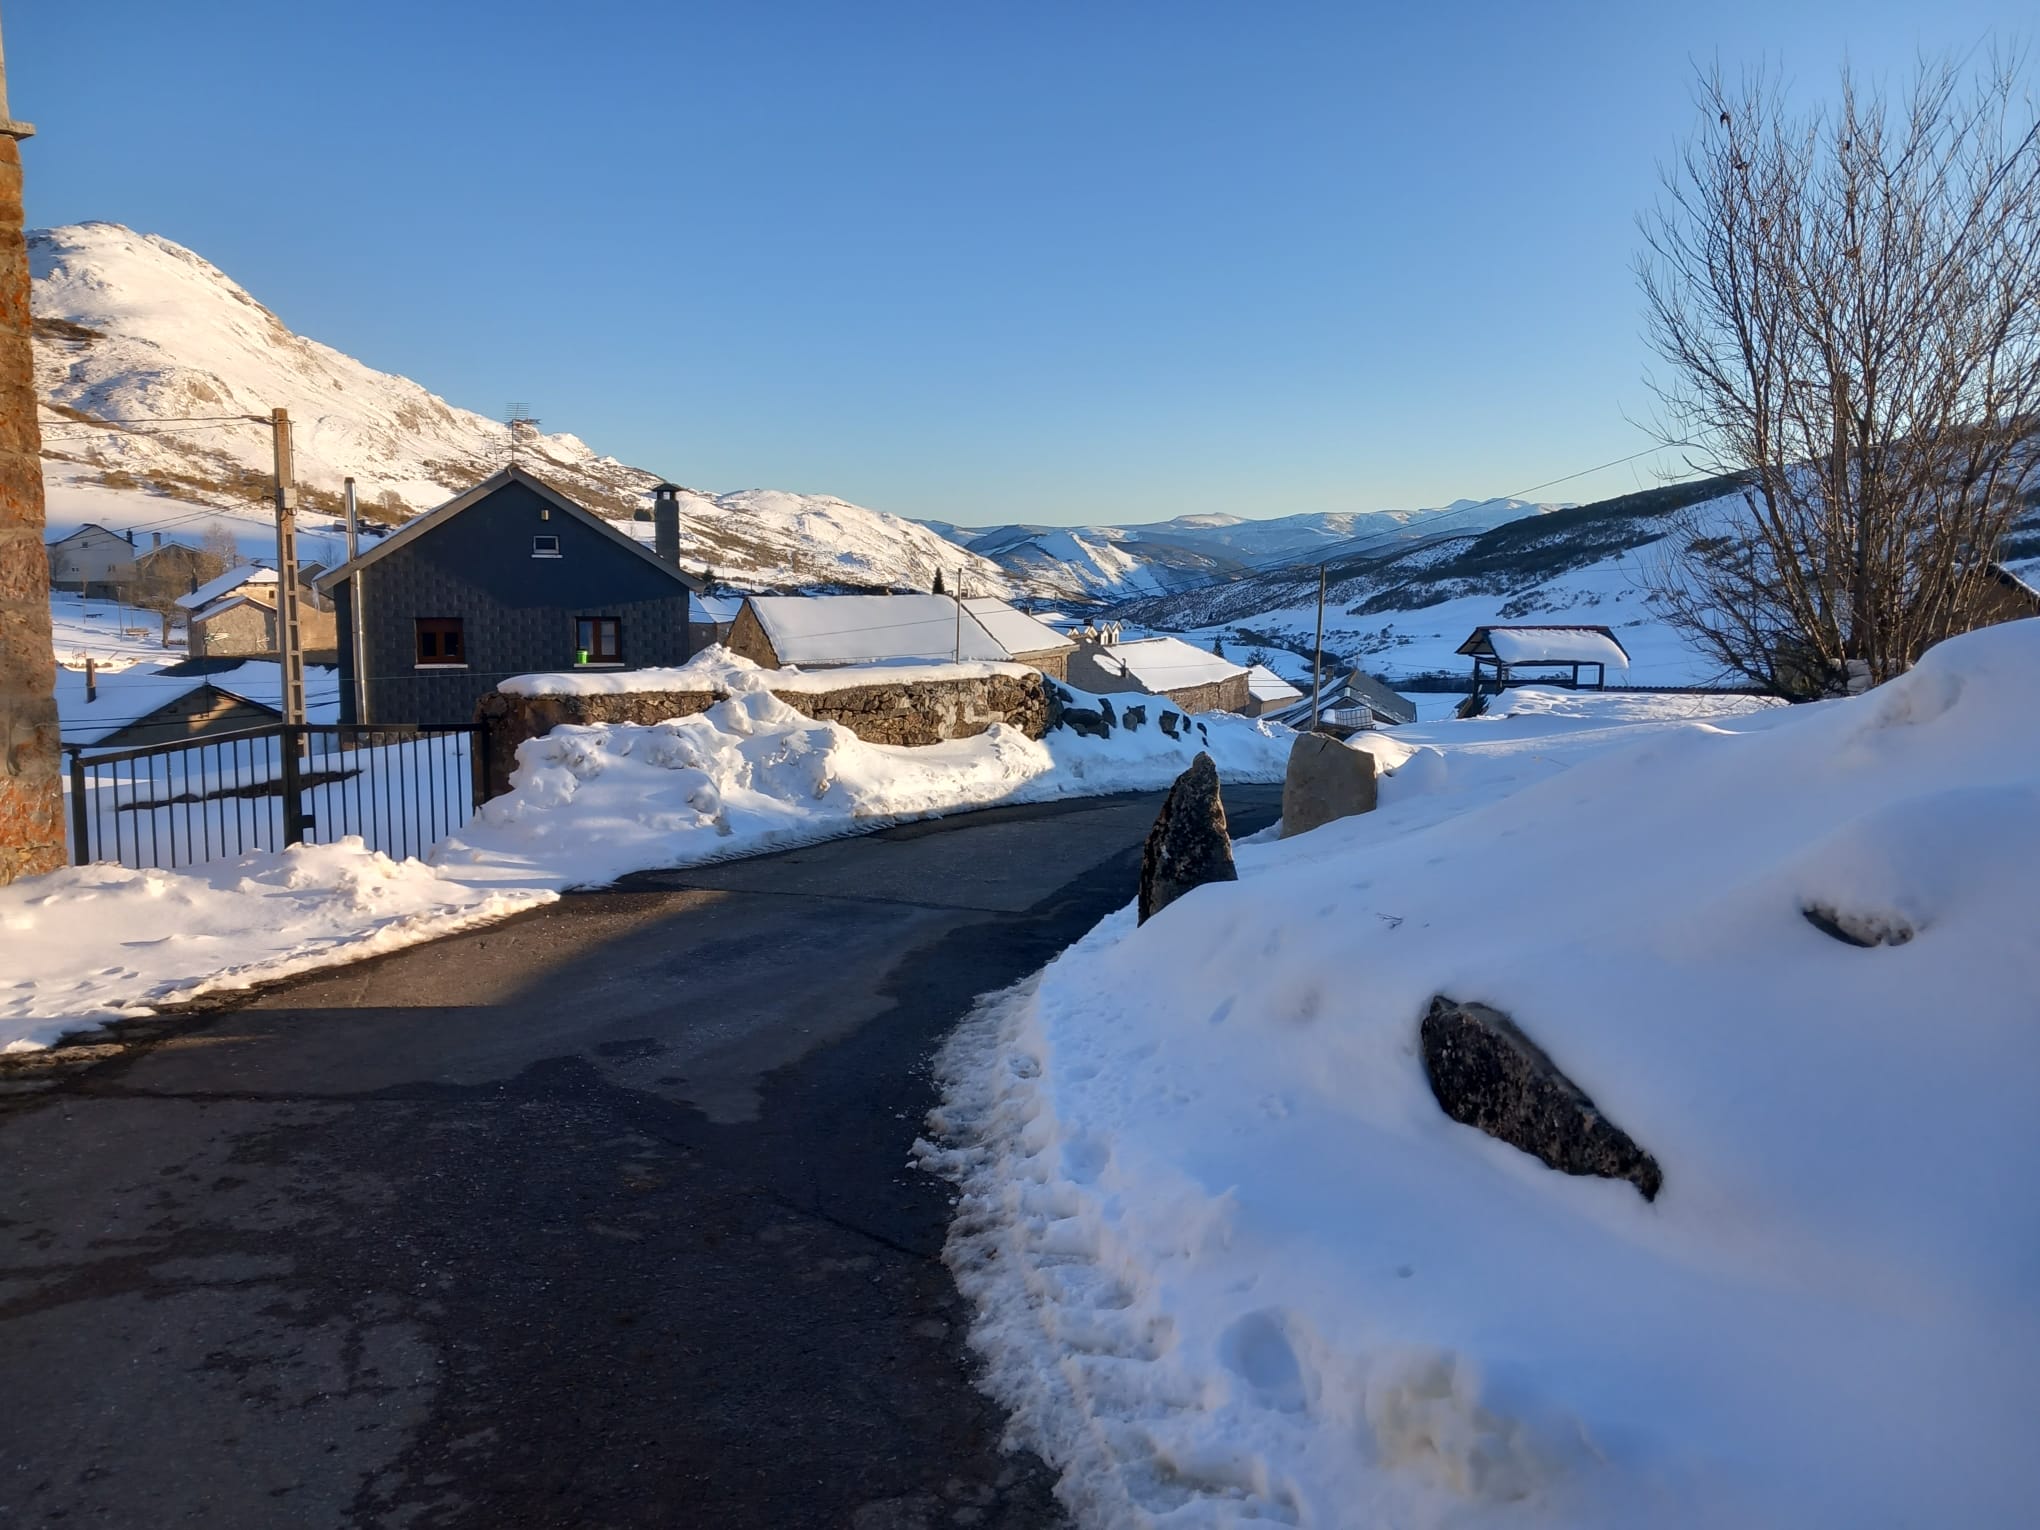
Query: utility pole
{"x": 289, "y": 650}
{"x": 959, "y": 616}
{"x": 357, "y": 614}
{"x": 1317, "y": 658}
{"x": 31, "y": 795}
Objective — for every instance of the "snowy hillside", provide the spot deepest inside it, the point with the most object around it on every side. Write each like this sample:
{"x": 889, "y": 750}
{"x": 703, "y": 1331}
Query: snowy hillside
{"x": 1401, "y": 610}
{"x": 133, "y": 328}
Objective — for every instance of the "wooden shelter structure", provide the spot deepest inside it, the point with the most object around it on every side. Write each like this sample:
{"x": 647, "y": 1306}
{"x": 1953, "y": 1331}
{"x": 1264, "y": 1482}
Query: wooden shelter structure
{"x": 1499, "y": 651}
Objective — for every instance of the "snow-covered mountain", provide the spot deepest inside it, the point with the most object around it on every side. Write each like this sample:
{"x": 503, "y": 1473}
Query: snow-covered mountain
{"x": 152, "y": 360}
{"x": 142, "y": 347}
{"x": 1191, "y": 551}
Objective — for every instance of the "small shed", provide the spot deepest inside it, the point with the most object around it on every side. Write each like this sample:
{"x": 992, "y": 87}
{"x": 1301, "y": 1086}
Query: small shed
{"x": 710, "y": 619}
{"x": 825, "y": 631}
{"x": 148, "y": 704}
{"x": 1499, "y": 651}
{"x": 1268, "y": 692}
{"x": 1193, "y": 678}
{"x": 1027, "y": 639}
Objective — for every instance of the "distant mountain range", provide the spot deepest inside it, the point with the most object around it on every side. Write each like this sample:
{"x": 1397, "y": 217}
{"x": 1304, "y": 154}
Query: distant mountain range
{"x": 1159, "y": 557}
{"x": 147, "y": 355}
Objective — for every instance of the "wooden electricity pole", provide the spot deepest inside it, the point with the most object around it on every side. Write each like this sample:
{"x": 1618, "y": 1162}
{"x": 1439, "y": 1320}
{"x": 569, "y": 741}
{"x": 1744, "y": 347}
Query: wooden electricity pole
{"x": 959, "y": 616}
{"x": 31, "y": 798}
{"x": 1317, "y": 658}
{"x": 289, "y": 649}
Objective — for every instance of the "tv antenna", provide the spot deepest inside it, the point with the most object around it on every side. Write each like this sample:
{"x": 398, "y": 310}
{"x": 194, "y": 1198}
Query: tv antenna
{"x": 518, "y": 413}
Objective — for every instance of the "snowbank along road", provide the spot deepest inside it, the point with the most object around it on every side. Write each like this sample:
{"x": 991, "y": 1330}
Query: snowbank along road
{"x": 600, "y": 1217}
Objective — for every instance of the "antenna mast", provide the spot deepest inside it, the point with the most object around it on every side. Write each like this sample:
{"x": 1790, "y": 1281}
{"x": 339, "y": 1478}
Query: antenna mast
{"x": 515, "y": 413}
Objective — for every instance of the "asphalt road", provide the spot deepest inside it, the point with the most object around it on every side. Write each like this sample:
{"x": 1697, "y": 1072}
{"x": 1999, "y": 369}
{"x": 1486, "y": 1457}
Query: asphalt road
{"x": 602, "y": 1217}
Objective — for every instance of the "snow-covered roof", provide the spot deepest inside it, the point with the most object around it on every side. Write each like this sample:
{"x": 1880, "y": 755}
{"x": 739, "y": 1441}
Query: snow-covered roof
{"x": 1264, "y": 685}
{"x": 720, "y": 609}
{"x": 851, "y": 629}
{"x": 87, "y": 528}
{"x": 1548, "y": 645}
{"x": 124, "y": 697}
{"x": 226, "y": 584}
{"x": 1014, "y": 630}
{"x": 1166, "y": 663}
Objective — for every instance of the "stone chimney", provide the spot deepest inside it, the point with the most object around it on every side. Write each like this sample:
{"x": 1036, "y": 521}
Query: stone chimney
{"x": 666, "y": 522}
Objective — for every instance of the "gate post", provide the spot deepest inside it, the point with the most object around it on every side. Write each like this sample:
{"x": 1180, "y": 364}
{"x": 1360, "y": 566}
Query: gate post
{"x": 81, "y": 817}
{"x": 478, "y": 764}
{"x": 292, "y": 783}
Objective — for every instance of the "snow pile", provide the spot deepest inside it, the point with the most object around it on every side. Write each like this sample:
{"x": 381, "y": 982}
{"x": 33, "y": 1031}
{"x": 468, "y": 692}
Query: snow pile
{"x": 591, "y": 803}
{"x": 1233, "y": 1262}
{"x": 88, "y": 944}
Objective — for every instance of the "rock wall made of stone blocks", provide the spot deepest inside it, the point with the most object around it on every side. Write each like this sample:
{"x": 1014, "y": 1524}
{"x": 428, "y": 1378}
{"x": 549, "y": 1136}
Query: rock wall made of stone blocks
{"x": 909, "y": 713}
{"x": 31, "y": 798}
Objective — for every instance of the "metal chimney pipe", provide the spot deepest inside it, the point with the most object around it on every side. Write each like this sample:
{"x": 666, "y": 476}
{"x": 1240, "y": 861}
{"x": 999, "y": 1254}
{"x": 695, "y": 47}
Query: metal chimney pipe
{"x": 666, "y": 523}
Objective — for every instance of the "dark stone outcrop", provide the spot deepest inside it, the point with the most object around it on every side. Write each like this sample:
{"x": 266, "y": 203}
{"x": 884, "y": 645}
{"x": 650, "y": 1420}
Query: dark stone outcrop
{"x": 1486, "y": 1073}
{"x": 1325, "y": 780}
{"x": 1188, "y": 845}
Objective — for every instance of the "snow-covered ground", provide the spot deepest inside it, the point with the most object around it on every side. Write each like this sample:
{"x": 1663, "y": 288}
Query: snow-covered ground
{"x": 590, "y": 804}
{"x": 1233, "y": 1264}
{"x": 111, "y": 633}
{"x": 95, "y": 943}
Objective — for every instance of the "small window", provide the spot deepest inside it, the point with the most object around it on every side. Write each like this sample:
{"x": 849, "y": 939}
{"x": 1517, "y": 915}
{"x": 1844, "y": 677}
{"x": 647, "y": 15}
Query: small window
{"x": 440, "y": 641}
{"x": 598, "y": 640}
{"x": 545, "y": 547}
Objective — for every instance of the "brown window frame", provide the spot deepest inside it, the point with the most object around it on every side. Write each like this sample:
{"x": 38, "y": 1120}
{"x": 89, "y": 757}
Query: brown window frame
{"x": 614, "y": 653}
{"x": 438, "y": 629}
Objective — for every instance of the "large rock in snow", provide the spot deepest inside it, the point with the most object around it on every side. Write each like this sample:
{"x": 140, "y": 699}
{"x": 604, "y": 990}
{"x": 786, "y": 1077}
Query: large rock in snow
{"x": 1488, "y": 1074}
{"x": 1188, "y": 845}
{"x": 1325, "y": 780}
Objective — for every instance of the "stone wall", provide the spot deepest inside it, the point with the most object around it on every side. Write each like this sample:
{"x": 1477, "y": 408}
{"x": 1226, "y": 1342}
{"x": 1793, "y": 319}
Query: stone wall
{"x": 31, "y": 800}
{"x": 894, "y": 712}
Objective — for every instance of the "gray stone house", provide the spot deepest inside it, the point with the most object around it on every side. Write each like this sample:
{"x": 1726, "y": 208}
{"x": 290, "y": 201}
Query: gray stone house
{"x": 506, "y": 579}
{"x": 1195, "y": 679}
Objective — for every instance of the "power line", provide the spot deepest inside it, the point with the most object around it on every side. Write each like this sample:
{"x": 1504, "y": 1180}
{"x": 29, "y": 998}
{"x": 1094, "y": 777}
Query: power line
{"x": 145, "y": 419}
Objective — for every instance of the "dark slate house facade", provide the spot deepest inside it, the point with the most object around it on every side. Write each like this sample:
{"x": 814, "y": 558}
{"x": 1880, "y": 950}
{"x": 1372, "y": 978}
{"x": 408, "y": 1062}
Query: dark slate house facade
{"x": 509, "y": 578}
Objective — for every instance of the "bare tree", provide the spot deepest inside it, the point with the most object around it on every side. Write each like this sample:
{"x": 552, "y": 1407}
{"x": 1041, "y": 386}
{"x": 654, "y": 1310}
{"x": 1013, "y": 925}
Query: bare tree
{"x": 1848, "y": 304}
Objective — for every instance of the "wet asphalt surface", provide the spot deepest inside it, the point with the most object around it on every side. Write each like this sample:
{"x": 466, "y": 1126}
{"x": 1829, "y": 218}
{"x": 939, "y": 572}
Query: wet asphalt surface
{"x": 599, "y": 1217}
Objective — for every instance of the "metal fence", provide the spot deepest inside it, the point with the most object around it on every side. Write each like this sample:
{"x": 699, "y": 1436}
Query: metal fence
{"x": 401, "y": 787}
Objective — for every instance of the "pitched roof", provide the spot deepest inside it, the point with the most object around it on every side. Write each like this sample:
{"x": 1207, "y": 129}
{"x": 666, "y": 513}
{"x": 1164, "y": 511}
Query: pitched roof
{"x": 1354, "y": 690}
{"x": 423, "y": 525}
{"x": 1013, "y": 629}
{"x": 850, "y": 629}
{"x": 1166, "y": 663}
{"x": 1389, "y": 705}
{"x": 1264, "y": 685}
{"x": 71, "y": 536}
{"x": 227, "y": 583}
{"x": 1547, "y": 645}
{"x": 124, "y": 697}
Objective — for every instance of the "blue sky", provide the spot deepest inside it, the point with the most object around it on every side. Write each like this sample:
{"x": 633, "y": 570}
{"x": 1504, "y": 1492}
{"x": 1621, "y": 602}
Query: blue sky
{"x": 982, "y": 262}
